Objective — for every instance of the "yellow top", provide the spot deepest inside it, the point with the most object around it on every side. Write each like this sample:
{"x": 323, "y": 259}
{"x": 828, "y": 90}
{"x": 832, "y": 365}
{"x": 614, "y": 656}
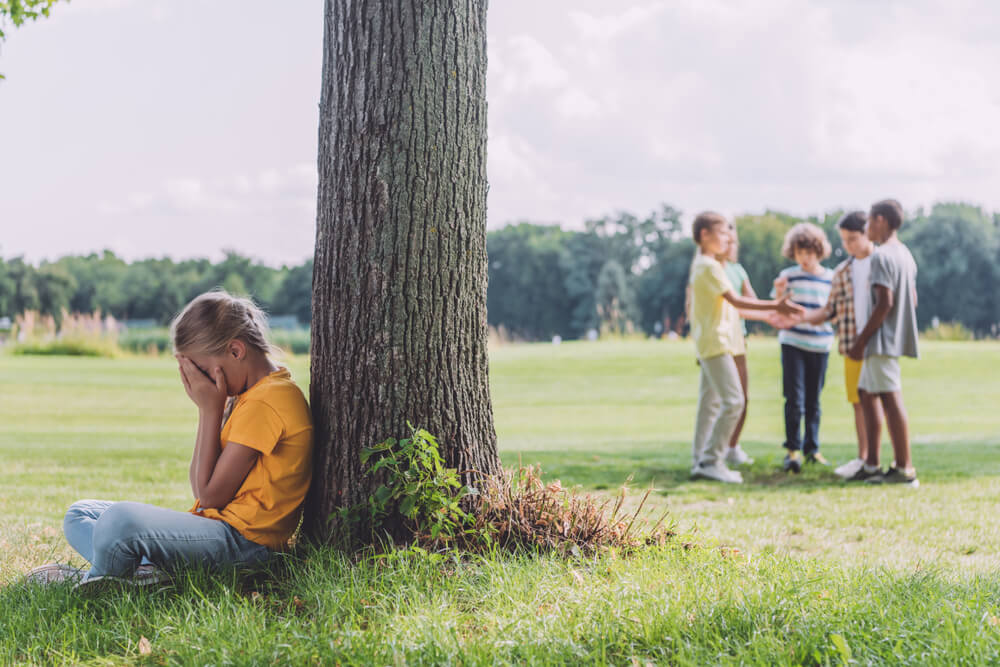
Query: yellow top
{"x": 715, "y": 323}
{"x": 273, "y": 418}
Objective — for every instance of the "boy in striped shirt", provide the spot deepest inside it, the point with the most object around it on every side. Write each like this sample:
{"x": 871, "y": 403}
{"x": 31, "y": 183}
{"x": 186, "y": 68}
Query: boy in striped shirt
{"x": 804, "y": 347}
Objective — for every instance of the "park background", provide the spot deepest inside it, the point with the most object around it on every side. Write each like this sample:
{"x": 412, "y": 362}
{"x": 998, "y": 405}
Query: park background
{"x": 151, "y": 150}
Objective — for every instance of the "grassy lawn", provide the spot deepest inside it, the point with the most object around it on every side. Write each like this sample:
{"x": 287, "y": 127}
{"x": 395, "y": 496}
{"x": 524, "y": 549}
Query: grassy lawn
{"x": 825, "y": 573}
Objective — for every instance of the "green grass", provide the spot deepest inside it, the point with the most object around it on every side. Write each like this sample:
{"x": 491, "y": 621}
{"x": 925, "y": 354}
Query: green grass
{"x": 824, "y": 571}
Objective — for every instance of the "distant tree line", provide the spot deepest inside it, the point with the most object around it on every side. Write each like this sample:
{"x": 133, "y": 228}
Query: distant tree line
{"x": 618, "y": 274}
{"x": 149, "y": 289}
{"x": 625, "y": 272}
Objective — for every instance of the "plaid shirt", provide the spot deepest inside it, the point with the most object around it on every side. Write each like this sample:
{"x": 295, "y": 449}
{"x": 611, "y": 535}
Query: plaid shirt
{"x": 842, "y": 306}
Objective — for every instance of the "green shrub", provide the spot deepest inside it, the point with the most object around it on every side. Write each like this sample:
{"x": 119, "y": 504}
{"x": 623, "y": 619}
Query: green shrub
{"x": 294, "y": 341}
{"x": 146, "y": 341}
{"x": 418, "y": 489}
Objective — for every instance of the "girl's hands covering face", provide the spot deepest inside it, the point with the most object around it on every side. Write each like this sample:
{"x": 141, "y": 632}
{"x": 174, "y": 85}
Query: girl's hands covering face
{"x": 207, "y": 389}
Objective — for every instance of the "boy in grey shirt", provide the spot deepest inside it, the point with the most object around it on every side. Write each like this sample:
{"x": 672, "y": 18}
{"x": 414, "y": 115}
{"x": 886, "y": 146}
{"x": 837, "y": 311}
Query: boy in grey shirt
{"x": 891, "y": 333}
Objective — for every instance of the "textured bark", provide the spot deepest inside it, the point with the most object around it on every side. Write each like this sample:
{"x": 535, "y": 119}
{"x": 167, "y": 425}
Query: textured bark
{"x": 399, "y": 283}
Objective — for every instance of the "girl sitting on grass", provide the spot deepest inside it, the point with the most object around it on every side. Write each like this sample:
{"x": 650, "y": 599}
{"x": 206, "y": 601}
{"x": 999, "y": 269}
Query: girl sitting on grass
{"x": 250, "y": 470}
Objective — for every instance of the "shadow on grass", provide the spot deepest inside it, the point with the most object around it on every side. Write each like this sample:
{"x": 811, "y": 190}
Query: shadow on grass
{"x": 668, "y": 468}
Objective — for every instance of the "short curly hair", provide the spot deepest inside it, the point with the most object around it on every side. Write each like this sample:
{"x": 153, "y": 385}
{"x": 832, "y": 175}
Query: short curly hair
{"x": 806, "y": 236}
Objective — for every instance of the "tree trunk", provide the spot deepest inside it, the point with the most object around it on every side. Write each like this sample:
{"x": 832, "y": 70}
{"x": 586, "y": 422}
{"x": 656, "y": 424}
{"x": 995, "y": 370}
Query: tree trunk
{"x": 399, "y": 284}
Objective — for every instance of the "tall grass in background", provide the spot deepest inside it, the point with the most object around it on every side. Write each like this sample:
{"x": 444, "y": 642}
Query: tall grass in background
{"x": 98, "y": 335}
{"x": 74, "y": 334}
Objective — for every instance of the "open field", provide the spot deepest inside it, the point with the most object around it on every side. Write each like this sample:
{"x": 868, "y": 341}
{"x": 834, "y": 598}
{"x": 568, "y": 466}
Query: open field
{"x": 825, "y": 571}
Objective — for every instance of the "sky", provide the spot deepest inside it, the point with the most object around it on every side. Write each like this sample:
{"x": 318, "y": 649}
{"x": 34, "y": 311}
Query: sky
{"x": 185, "y": 128}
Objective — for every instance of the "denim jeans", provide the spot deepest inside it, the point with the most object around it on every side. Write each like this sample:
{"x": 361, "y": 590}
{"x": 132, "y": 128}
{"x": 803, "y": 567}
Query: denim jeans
{"x": 117, "y": 537}
{"x": 804, "y": 374}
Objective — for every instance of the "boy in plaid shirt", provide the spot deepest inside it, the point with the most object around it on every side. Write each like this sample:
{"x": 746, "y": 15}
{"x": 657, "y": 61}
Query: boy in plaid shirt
{"x": 847, "y": 308}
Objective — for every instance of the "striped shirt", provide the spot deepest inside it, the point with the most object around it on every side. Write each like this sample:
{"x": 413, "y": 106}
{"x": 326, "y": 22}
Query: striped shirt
{"x": 809, "y": 291}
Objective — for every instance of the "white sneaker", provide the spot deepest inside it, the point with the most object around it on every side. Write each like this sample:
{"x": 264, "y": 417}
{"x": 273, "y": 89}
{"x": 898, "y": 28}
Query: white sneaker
{"x": 718, "y": 472}
{"x": 849, "y": 469}
{"x": 737, "y": 457}
{"x": 54, "y": 573}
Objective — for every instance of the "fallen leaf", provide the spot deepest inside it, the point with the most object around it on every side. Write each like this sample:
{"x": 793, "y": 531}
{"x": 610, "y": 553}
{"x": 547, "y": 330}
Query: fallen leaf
{"x": 145, "y": 648}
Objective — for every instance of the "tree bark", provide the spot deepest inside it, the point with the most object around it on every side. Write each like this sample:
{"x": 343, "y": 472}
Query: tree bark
{"x": 399, "y": 283}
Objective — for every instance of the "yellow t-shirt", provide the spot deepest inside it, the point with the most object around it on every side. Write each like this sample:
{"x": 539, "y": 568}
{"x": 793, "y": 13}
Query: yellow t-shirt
{"x": 273, "y": 418}
{"x": 715, "y": 323}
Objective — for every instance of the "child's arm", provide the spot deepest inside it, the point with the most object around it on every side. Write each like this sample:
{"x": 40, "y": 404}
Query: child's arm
{"x": 883, "y": 304}
{"x": 782, "y": 305}
{"x": 817, "y": 316}
{"x": 216, "y": 474}
{"x": 780, "y": 286}
{"x": 746, "y": 289}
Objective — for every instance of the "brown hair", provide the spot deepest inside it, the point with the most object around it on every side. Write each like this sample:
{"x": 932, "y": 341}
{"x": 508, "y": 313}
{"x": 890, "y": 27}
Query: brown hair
{"x": 807, "y": 236}
{"x": 214, "y": 319}
{"x": 706, "y": 220}
{"x": 891, "y": 210}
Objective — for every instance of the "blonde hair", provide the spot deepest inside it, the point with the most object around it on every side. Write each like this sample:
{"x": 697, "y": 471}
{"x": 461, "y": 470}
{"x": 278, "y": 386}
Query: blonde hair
{"x": 807, "y": 236}
{"x": 214, "y": 319}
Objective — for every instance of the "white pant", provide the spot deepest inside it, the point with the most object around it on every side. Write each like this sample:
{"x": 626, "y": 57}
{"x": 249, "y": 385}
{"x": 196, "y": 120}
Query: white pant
{"x": 880, "y": 375}
{"x": 720, "y": 404}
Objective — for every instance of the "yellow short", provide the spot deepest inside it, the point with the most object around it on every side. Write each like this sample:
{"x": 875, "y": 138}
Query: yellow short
{"x": 852, "y": 372}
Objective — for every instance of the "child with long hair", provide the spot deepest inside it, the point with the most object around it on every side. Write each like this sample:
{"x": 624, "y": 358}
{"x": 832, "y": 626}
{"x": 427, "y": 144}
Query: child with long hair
{"x": 250, "y": 469}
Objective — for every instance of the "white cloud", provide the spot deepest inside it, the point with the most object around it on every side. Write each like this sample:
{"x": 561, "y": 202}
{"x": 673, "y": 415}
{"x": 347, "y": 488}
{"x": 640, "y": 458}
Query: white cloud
{"x": 802, "y": 106}
{"x": 271, "y": 187}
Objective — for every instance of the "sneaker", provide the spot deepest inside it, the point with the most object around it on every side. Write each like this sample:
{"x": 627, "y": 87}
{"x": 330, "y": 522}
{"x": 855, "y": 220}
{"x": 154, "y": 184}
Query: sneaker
{"x": 792, "y": 462}
{"x": 816, "y": 457}
{"x": 53, "y": 573}
{"x": 863, "y": 475}
{"x": 896, "y": 476}
{"x": 718, "y": 472}
{"x": 145, "y": 575}
{"x": 737, "y": 457}
{"x": 849, "y": 469}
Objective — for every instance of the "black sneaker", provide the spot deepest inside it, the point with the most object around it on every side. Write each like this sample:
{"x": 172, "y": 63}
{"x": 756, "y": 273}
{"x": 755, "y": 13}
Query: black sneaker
{"x": 863, "y": 475}
{"x": 818, "y": 458}
{"x": 896, "y": 476}
{"x": 792, "y": 462}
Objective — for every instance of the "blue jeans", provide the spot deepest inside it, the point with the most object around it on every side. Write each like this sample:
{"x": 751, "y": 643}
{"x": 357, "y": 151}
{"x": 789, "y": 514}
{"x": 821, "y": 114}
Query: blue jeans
{"x": 115, "y": 538}
{"x": 803, "y": 374}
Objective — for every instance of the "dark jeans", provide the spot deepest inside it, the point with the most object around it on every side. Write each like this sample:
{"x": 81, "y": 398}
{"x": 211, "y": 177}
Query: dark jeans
{"x": 804, "y": 374}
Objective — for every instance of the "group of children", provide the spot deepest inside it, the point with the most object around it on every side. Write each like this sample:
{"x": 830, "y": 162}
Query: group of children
{"x": 869, "y": 302}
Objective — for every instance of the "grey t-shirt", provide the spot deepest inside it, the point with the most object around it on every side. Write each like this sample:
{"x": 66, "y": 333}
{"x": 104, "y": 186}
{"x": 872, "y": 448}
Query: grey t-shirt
{"x": 893, "y": 267}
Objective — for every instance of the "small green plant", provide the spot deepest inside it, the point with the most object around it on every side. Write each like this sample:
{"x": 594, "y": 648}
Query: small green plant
{"x": 418, "y": 489}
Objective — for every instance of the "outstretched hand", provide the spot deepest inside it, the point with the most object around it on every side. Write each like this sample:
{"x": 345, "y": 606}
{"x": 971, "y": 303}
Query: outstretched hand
{"x": 786, "y": 307}
{"x": 207, "y": 391}
{"x": 779, "y": 321}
